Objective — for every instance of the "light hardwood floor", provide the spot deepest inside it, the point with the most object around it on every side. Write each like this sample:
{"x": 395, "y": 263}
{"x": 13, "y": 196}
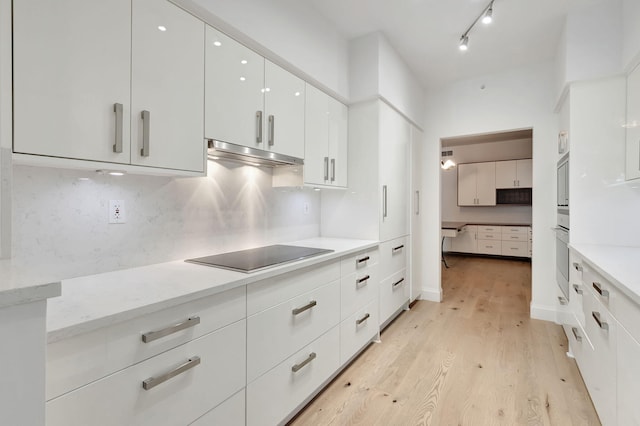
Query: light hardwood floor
{"x": 475, "y": 359}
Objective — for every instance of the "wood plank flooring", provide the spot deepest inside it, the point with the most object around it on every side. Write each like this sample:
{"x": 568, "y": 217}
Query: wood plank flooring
{"x": 475, "y": 359}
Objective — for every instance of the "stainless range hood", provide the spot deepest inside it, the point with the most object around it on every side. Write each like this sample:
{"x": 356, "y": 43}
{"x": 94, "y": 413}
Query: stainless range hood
{"x": 229, "y": 151}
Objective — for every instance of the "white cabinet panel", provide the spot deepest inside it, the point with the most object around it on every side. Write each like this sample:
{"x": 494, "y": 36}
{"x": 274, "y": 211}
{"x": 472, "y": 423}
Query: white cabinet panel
{"x": 514, "y": 174}
{"x": 486, "y": 176}
{"x": 525, "y": 173}
{"x": 66, "y": 83}
{"x": 633, "y": 125}
{"x": 417, "y": 201}
{"x": 514, "y": 248}
{"x": 394, "y": 293}
{"x": 284, "y": 111}
{"x": 466, "y": 184}
{"x": 229, "y": 413}
{"x": 233, "y": 91}
{"x": 357, "y": 289}
{"x": 167, "y": 81}
{"x": 358, "y": 330}
{"x": 338, "y": 142}
{"x": 477, "y": 184}
{"x": 628, "y": 379}
{"x": 393, "y": 256}
{"x": 120, "y": 399}
{"x": 489, "y": 247}
{"x": 359, "y": 262}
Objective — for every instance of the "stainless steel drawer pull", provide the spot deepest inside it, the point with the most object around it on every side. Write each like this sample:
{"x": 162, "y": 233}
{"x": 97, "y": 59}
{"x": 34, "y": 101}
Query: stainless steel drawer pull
{"x": 155, "y": 335}
{"x": 146, "y": 128}
{"x": 326, "y": 168}
{"x": 364, "y": 259}
{"x": 272, "y": 123}
{"x": 258, "y": 126}
{"x": 397, "y": 283}
{"x": 577, "y": 266}
{"x": 602, "y": 324}
{"x": 363, "y": 280}
{"x": 562, "y": 300}
{"x": 384, "y": 201}
{"x": 576, "y": 335}
{"x": 117, "y": 145}
{"x": 333, "y": 170}
{"x": 152, "y": 382}
{"x": 297, "y": 367}
{"x": 602, "y": 292}
{"x": 363, "y": 319}
{"x": 515, "y": 238}
{"x": 395, "y": 249}
{"x": 306, "y": 307}
{"x": 577, "y": 289}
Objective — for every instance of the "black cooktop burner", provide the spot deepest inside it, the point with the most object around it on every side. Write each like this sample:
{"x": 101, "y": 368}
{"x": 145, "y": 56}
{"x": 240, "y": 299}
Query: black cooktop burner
{"x": 253, "y": 260}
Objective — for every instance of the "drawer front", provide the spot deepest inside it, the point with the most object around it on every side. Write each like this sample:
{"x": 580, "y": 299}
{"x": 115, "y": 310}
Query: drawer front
{"x": 357, "y": 289}
{"x": 358, "y": 330}
{"x": 515, "y": 230}
{"x": 598, "y": 286}
{"x": 82, "y": 359}
{"x": 515, "y": 237}
{"x": 492, "y": 229}
{"x": 489, "y": 247}
{"x": 627, "y": 313}
{"x": 119, "y": 399}
{"x": 359, "y": 262}
{"x": 514, "y": 248}
{"x": 273, "y": 291}
{"x": 229, "y": 413}
{"x": 394, "y": 293}
{"x": 490, "y": 236}
{"x": 275, "y": 395}
{"x": 276, "y": 333}
{"x": 579, "y": 344}
{"x": 393, "y": 256}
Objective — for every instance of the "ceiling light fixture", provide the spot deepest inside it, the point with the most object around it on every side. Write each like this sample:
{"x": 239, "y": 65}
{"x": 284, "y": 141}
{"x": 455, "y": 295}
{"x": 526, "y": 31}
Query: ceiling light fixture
{"x": 487, "y": 17}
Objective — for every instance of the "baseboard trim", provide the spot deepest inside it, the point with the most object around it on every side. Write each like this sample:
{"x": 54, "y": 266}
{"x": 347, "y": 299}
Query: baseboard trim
{"x": 543, "y": 312}
{"x": 431, "y": 295}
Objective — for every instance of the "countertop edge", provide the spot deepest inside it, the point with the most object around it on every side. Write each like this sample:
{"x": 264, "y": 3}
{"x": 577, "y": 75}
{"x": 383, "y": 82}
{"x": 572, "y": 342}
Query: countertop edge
{"x": 30, "y": 294}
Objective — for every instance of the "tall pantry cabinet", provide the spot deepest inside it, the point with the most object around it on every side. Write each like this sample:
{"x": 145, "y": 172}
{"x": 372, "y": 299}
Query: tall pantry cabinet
{"x": 376, "y": 205}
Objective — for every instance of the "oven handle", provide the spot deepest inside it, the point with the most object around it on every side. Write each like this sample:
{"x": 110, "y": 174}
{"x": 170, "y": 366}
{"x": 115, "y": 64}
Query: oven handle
{"x": 562, "y": 234}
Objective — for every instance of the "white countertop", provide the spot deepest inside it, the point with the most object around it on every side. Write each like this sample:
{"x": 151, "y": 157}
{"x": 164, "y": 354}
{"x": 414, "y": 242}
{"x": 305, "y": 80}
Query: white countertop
{"x": 95, "y": 301}
{"x": 24, "y": 285}
{"x": 617, "y": 264}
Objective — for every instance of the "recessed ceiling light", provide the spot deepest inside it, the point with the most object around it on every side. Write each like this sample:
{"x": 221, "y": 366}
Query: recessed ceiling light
{"x": 217, "y": 44}
{"x": 162, "y": 28}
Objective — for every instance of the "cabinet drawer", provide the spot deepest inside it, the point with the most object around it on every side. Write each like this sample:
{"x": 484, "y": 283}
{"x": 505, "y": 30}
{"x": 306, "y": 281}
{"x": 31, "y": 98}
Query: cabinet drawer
{"x": 393, "y": 256}
{"x": 358, "y": 262}
{"x": 394, "y": 293}
{"x": 120, "y": 399}
{"x": 489, "y": 247}
{"x": 87, "y": 357}
{"x": 278, "y": 332}
{"x": 275, "y": 395}
{"x": 490, "y": 229}
{"x": 579, "y": 344}
{"x": 517, "y": 230}
{"x": 272, "y": 291}
{"x": 515, "y": 248}
{"x": 358, "y": 330}
{"x": 229, "y": 413}
{"x": 515, "y": 237}
{"x": 598, "y": 286}
{"x": 357, "y": 289}
{"x": 490, "y": 236}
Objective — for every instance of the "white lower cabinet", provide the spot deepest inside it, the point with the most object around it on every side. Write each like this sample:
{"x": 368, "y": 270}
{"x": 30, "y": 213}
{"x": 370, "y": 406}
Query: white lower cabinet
{"x": 495, "y": 240}
{"x": 358, "y": 330}
{"x": 279, "y": 392}
{"x": 628, "y": 383}
{"x": 208, "y": 370}
{"x": 394, "y": 294}
{"x": 229, "y": 413}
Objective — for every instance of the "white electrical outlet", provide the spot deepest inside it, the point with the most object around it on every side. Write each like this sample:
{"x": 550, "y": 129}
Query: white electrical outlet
{"x": 116, "y": 211}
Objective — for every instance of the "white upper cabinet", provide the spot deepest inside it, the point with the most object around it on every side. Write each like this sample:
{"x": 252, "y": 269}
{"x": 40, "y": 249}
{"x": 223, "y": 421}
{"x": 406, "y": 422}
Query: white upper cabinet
{"x": 234, "y": 92}
{"x": 325, "y": 139}
{"x": 67, "y": 82}
{"x": 477, "y": 184}
{"x": 167, "y": 87}
{"x": 633, "y": 125}
{"x": 80, "y": 91}
{"x": 250, "y": 101}
{"x": 514, "y": 174}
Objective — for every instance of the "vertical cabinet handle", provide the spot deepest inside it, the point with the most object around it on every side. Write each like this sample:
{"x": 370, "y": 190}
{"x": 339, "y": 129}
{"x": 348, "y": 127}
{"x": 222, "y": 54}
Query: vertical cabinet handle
{"x": 384, "y": 201}
{"x": 258, "y": 126}
{"x": 272, "y": 122}
{"x": 602, "y": 292}
{"x": 297, "y": 367}
{"x": 333, "y": 170}
{"x": 152, "y": 382}
{"x": 602, "y": 324}
{"x": 146, "y": 127}
{"x": 326, "y": 168}
{"x": 363, "y": 319}
{"x": 417, "y": 203}
{"x": 117, "y": 145}
{"x": 576, "y": 335}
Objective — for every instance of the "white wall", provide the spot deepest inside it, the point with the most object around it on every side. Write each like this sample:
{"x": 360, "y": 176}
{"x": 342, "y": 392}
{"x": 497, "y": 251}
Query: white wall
{"x": 479, "y": 152}
{"x": 60, "y": 221}
{"x": 292, "y": 31}
{"x": 514, "y": 99}
{"x": 631, "y": 33}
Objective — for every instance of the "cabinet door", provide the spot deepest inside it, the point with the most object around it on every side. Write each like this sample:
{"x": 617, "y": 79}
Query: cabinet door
{"x": 506, "y": 175}
{"x": 633, "y": 125}
{"x": 486, "y": 181}
{"x": 338, "y": 143}
{"x": 72, "y": 64}
{"x": 284, "y": 111}
{"x": 316, "y": 137}
{"x": 234, "y": 92}
{"x": 466, "y": 184}
{"x": 628, "y": 379}
{"x": 524, "y": 176}
{"x": 394, "y": 167}
{"x": 167, "y": 87}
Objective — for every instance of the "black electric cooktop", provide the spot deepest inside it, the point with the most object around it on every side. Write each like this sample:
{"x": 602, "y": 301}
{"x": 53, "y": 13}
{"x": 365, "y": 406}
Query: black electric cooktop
{"x": 256, "y": 259}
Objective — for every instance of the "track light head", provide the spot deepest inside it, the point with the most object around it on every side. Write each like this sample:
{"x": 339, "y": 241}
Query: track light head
{"x": 464, "y": 43}
{"x": 488, "y": 16}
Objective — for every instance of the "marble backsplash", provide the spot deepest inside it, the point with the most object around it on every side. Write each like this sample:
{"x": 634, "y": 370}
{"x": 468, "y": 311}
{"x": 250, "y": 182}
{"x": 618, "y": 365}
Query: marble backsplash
{"x": 60, "y": 217}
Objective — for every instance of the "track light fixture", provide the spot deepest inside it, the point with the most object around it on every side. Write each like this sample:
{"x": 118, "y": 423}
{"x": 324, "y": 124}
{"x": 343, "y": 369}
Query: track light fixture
{"x": 487, "y": 17}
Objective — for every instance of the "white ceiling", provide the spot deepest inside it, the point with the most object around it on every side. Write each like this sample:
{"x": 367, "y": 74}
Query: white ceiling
{"x": 426, "y": 32}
